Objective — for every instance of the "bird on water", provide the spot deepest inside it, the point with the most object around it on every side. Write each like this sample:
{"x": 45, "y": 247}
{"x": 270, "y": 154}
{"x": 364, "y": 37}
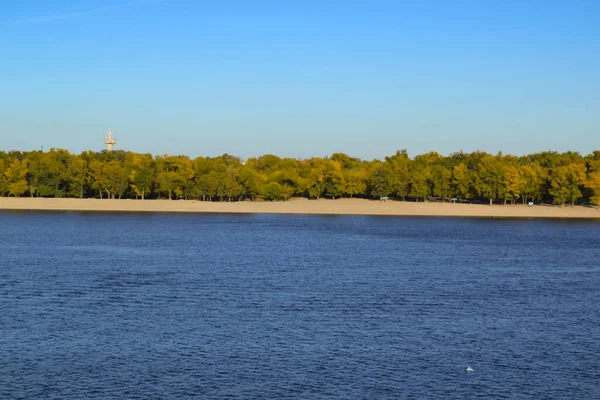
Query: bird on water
{"x": 469, "y": 369}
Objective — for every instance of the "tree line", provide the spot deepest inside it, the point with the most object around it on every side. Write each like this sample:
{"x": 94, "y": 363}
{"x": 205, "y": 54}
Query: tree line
{"x": 545, "y": 177}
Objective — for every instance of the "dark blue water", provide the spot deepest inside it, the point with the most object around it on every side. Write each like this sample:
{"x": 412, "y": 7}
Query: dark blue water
{"x": 175, "y": 306}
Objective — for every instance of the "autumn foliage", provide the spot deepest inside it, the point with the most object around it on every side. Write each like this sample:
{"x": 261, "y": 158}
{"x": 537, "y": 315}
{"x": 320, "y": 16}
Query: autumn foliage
{"x": 548, "y": 177}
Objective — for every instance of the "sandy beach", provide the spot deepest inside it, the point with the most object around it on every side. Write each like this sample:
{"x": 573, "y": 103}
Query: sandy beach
{"x": 302, "y": 206}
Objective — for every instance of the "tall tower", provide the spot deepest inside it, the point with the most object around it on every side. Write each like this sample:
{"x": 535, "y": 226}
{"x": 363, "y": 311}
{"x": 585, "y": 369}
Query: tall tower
{"x": 110, "y": 140}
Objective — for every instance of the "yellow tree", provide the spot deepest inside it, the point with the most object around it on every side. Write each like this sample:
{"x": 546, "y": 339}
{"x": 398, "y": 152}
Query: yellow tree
{"x": 514, "y": 183}
{"x": 355, "y": 182}
{"x": 16, "y": 175}
{"x": 535, "y": 177}
{"x": 593, "y": 183}
{"x": 3, "y": 180}
{"x": 489, "y": 177}
{"x": 316, "y": 177}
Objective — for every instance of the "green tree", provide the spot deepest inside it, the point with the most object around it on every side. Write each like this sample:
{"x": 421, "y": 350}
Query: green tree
{"x": 442, "y": 180}
{"x": 142, "y": 175}
{"x": 382, "y": 181}
{"x": 115, "y": 178}
{"x": 566, "y": 182}
{"x": 95, "y": 177}
{"x": 273, "y": 191}
{"x": 168, "y": 182}
{"x": 55, "y": 164}
{"x": 78, "y": 171}
{"x": 400, "y": 170}
{"x": 418, "y": 182}
{"x": 462, "y": 181}
{"x": 251, "y": 183}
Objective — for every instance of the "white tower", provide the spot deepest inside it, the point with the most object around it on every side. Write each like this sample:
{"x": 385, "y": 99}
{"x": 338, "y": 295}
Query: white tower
{"x": 110, "y": 140}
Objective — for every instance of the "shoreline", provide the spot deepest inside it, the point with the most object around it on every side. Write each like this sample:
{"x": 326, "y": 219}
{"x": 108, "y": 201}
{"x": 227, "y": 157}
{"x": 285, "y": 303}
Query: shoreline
{"x": 302, "y": 206}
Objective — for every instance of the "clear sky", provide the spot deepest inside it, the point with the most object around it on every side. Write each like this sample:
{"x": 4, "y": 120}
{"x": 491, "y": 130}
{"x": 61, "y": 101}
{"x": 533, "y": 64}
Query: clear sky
{"x": 300, "y": 78}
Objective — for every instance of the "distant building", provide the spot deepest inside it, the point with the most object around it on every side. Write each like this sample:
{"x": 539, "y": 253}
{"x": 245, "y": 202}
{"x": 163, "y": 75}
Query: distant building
{"x": 110, "y": 141}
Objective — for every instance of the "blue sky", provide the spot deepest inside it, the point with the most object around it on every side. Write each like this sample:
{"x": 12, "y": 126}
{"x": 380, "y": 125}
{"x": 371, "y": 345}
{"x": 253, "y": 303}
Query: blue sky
{"x": 302, "y": 78}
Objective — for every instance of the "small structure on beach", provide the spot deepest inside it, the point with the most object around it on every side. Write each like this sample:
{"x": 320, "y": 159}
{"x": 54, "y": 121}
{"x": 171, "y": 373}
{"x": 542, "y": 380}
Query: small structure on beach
{"x": 110, "y": 140}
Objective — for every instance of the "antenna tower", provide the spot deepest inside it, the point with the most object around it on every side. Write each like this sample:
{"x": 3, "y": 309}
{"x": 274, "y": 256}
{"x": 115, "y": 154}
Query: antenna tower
{"x": 110, "y": 140}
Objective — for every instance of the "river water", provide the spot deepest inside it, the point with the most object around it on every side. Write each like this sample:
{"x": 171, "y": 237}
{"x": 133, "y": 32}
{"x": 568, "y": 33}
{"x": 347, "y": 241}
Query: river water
{"x": 174, "y": 306}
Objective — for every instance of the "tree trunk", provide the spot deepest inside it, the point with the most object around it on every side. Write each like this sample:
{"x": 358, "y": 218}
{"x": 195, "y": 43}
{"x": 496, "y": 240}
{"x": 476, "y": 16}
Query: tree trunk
{"x": 143, "y": 191}
{"x": 490, "y": 202}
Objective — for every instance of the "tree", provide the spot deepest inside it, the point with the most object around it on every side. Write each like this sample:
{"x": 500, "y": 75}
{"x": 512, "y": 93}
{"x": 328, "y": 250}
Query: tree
{"x": 400, "y": 169}
{"x": 3, "y": 180}
{"x": 142, "y": 175}
{"x": 462, "y": 181}
{"x": 95, "y": 177}
{"x": 168, "y": 182}
{"x": 334, "y": 179}
{"x": 489, "y": 177}
{"x": 273, "y": 191}
{"x": 78, "y": 176}
{"x": 381, "y": 181}
{"x": 354, "y": 182}
{"x": 547, "y": 176}
{"x": 534, "y": 177}
{"x": 514, "y": 183}
{"x": 55, "y": 178}
{"x": 36, "y": 172}
{"x": 175, "y": 175}
{"x": 251, "y": 183}
{"x": 442, "y": 179}
{"x": 115, "y": 178}
{"x": 418, "y": 182}
{"x": 16, "y": 174}
{"x": 231, "y": 188}
{"x": 593, "y": 184}
{"x": 566, "y": 182}
{"x": 316, "y": 180}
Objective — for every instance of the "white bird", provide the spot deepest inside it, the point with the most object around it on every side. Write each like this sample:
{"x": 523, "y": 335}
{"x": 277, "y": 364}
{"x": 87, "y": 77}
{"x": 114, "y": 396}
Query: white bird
{"x": 469, "y": 369}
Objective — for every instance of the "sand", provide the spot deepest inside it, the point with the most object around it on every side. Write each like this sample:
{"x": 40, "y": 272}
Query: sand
{"x": 303, "y": 206}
